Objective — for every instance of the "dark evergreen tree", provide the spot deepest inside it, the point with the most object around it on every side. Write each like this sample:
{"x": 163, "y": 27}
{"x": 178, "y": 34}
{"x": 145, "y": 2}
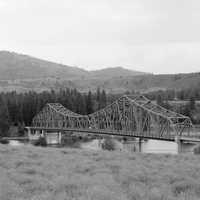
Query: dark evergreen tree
{"x": 159, "y": 100}
{"x": 103, "y": 99}
{"x": 4, "y": 119}
{"x": 98, "y": 97}
{"x": 89, "y": 104}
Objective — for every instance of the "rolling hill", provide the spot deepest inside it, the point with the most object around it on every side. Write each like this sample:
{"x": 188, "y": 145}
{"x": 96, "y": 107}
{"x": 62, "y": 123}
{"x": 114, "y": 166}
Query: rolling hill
{"x": 17, "y": 66}
{"x": 23, "y": 73}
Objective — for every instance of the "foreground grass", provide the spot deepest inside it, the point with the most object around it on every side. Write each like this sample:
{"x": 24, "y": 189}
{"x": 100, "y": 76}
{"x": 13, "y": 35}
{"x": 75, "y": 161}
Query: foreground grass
{"x": 36, "y": 173}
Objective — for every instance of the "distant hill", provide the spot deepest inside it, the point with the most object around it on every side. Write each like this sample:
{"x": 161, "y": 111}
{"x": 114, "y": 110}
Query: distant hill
{"x": 17, "y": 66}
{"x": 23, "y": 73}
{"x": 114, "y": 72}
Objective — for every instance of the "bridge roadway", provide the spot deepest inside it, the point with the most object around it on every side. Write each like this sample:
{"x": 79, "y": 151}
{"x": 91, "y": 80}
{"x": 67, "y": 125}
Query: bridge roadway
{"x": 185, "y": 139}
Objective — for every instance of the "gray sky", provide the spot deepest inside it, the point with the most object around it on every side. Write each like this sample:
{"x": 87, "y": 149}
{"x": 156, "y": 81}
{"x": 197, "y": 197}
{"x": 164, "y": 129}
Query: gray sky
{"x": 159, "y": 36}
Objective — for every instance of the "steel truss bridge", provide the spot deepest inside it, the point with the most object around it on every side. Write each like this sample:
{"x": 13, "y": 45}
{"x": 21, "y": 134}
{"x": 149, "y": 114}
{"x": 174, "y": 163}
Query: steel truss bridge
{"x": 133, "y": 116}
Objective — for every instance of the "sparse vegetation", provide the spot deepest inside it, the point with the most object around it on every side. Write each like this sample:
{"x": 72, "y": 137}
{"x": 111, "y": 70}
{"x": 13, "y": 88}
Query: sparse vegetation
{"x": 109, "y": 144}
{"x": 197, "y": 150}
{"x": 48, "y": 174}
{"x": 3, "y": 141}
{"x": 41, "y": 142}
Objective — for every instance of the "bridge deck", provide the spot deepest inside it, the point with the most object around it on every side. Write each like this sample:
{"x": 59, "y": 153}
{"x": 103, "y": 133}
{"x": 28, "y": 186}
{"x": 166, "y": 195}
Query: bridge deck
{"x": 120, "y": 133}
{"x": 108, "y": 132}
{"x": 190, "y": 139}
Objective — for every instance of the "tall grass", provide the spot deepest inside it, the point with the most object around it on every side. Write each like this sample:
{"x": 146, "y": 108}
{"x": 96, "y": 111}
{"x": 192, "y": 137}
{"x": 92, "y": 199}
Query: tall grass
{"x": 197, "y": 149}
{"x": 36, "y": 173}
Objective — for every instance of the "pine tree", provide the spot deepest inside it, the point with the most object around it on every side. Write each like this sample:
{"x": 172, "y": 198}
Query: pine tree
{"x": 103, "y": 99}
{"x": 89, "y": 104}
{"x": 98, "y": 97}
{"x": 4, "y": 119}
{"x": 159, "y": 100}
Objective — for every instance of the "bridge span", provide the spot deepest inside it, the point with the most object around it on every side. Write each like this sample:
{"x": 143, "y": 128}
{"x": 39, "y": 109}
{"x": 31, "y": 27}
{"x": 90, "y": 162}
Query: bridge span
{"x": 131, "y": 116}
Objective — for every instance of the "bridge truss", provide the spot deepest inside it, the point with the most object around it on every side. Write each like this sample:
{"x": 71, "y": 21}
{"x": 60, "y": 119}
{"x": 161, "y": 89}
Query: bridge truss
{"x": 127, "y": 116}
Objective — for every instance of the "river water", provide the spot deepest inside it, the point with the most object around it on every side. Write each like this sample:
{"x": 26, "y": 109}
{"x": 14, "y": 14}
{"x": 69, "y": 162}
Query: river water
{"x": 116, "y": 144}
{"x": 147, "y": 146}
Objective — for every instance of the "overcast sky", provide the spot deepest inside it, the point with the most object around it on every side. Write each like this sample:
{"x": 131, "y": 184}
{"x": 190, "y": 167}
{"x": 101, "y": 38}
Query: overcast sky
{"x": 159, "y": 36}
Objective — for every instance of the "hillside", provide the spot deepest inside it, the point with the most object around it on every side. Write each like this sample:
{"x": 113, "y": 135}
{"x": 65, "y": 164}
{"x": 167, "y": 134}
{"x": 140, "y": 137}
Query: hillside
{"x": 108, "y": 73}
{"x": 15, "y": 66}
{"x": 22, "y": 73}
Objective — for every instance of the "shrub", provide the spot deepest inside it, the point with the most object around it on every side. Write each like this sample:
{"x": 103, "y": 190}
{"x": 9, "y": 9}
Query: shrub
{"x": 41, "y": 142}
{"x": 197, "y": 150}
{"x": 3, "y": 141}
{"x": 108, "y": 144}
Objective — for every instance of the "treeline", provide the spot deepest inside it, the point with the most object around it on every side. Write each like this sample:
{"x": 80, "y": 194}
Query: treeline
{"x": 182, "y": 101}
{"x": 19, "y": 109}
{"x": 183, "y": 94}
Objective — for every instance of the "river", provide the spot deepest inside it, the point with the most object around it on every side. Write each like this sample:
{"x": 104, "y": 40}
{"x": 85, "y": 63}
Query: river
{"x": 146, "y": 146}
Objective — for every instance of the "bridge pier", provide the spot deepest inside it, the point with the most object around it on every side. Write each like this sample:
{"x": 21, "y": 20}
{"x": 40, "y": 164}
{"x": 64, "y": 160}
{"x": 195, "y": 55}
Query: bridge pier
{"x": 179, "y": 144}
{"x": 28, "y": 132}
{"x": 53, "y": 137}
{"x": 59, "y": 137}
{"x": 43, "y": 134}
{"x": 140, "y": 144}
{"x": 49, "y": 136}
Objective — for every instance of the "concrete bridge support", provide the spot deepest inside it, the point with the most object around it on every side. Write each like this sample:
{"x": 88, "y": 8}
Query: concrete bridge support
{"x": 28, "y": 132}
{"x": 140, "y": 144}
{"x": 33, "y": 134}
{"x": 179, "y": 144}
{"x": 59, "y": 137}
{"x": 43, "y": 134}
{"x": 53, "y": 137}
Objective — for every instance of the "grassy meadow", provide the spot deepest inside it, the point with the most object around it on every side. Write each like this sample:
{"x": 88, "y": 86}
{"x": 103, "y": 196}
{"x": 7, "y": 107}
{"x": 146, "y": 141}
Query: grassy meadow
{"x": 36, "y": 173}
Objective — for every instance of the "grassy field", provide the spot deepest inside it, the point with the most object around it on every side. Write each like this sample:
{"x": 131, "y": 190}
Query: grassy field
{"x": 36, "y": 173}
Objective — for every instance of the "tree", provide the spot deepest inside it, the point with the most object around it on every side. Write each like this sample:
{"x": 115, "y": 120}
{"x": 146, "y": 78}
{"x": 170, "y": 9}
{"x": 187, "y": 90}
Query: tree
{"x": 103, "y": 99}
{"x": 98, "y": 97}
{"x": 21, "y": 127}
{"x": 192, "y": 104}
{"x": 4, "y": 119}
{"x": 89, "y": 104}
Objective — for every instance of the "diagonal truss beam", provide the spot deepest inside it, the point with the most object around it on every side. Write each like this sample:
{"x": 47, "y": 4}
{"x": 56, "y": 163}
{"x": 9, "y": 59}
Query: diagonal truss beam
{"x": 132, "y": 115}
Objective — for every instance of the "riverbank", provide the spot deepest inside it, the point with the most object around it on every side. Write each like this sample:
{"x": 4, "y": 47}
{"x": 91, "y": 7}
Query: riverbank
{"x": 60, "y": 173}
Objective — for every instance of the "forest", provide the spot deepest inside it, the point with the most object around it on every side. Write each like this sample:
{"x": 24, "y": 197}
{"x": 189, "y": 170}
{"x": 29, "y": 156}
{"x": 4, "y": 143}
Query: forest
{"x": 18, "y": 109}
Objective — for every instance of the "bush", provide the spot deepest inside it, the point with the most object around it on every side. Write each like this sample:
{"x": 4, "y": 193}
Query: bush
{"x": 108, "y": 144}
{"x": 41, "y": 142}
{"x": 197, "y": 150}
{"x": 3, "y": 141}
